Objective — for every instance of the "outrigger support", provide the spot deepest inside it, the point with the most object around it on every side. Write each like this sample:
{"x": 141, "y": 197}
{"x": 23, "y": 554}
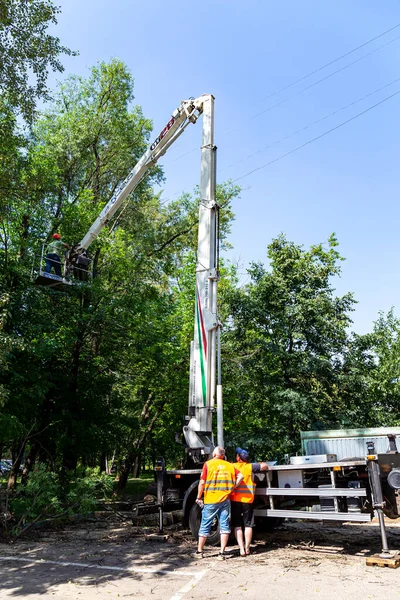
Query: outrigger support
{"x": 160, "y": 470}
{"x": 378, "y": 502}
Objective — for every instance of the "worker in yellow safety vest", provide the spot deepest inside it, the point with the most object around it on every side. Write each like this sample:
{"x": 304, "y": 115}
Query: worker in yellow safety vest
{"x": 218, "y": 478}
{"x": 242, "y": 498}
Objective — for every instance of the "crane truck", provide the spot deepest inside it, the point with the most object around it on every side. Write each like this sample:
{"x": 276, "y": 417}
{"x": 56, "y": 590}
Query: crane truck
{"x": 321, "y": 487}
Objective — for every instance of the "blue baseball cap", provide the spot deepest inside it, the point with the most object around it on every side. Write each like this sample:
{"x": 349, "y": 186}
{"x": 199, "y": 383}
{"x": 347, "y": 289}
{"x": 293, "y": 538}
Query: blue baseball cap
{"x": 243, "y": 454}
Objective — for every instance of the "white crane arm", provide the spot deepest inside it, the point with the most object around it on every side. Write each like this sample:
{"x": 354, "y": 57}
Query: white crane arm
{"x": 188, "y": 112}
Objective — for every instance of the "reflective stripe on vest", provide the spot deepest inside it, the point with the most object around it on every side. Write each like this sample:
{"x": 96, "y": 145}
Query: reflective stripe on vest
{"x": 245, "y": 490}
{"x": 220, "y": 481}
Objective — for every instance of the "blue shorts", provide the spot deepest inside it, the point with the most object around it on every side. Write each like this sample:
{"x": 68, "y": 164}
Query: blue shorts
{"x": 210, "y": 511}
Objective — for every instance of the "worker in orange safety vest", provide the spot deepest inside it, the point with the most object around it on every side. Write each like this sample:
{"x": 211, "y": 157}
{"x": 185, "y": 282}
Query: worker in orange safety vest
{"x": 218, "y": 478}
{"x": 242, "y": 498}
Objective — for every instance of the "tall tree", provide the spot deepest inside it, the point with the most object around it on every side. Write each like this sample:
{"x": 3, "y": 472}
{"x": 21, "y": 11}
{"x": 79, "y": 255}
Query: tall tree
{"x": 77, "y": 154}
{"x": 385, "y": 376}
{"x": 28, "y": 52}
{"x": 103, "y": 369}
{"x": 285, "y": 344}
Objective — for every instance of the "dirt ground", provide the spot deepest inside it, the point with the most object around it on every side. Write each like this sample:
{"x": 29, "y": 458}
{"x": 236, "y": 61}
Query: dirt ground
{"x": 109, "y": 559}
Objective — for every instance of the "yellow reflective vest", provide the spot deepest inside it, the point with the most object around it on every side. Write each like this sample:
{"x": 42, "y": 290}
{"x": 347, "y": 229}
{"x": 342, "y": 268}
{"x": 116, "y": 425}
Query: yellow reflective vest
{"x": 221, "y": 478}
{"x": 55, "y": 247}
{"x": 245, "y": 490}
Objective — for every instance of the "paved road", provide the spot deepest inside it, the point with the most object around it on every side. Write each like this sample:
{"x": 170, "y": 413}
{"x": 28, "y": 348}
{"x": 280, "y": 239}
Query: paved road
{"x": 300, "y": 561}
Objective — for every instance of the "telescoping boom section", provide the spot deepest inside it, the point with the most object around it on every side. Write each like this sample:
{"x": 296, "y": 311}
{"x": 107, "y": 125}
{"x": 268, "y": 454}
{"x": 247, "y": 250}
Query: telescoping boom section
{"x": 188, "y": 112}
{"x": 197, "y": 431}
{"x": 202, "y": 388}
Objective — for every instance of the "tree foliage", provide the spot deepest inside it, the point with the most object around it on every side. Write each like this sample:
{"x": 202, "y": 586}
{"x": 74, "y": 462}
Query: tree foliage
{"x": 28, "y": 52}
{"x": 101, "y": 374}
{"x": 288, "y": 338}
{"x": 101, "y": 371}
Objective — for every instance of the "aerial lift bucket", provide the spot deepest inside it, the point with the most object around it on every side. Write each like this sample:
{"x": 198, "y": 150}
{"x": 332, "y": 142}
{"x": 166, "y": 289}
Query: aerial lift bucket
{"x": 72, "y": 275}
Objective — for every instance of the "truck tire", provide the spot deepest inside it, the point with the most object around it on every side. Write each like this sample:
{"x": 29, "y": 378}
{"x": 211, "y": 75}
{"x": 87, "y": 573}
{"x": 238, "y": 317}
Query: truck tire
{"x": 194, "y": 526}
{"x": 265, "y": 524}
{"x": 151, "y": 489}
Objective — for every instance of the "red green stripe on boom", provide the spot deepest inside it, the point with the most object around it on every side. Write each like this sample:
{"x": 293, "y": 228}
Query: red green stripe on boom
{"x": 202, "y": 345}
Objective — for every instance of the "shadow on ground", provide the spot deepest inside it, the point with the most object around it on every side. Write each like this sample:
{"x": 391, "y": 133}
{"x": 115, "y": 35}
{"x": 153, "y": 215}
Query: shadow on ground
{"x": 126, "y": 550}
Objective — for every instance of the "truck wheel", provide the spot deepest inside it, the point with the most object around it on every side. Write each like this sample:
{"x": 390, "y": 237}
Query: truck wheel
{"x": 151, "y": 489}
{"x": 194, "y": 526}
{"x": 267, "y": 523}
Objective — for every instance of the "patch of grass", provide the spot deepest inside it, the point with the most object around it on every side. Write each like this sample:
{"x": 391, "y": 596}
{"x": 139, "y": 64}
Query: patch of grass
{"x": 136, "y": 488}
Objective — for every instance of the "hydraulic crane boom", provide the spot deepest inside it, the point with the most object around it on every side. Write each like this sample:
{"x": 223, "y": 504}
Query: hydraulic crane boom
{"x": 202, "y": 386}
{"x": 188, "y": 112}
{"x": 198, "y": 430}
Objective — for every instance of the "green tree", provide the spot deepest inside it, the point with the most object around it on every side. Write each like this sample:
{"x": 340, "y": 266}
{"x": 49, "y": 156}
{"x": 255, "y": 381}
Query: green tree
{"x": 28, "y": 52}
{"x": 75, "y": 157}
{"x": 102, "y": 370}
{"x": 385, "y": 372}
{"x": 285, "y": 347}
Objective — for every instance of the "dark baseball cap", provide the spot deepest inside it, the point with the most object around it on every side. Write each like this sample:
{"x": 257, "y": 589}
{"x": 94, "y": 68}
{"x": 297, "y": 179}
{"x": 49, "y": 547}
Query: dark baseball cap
{"x": 244, "y": 455}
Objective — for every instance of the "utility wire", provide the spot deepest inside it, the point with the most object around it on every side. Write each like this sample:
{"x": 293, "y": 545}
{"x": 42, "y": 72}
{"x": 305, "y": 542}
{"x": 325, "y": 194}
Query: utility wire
{"x": 335, "y": 112}
{"x": 313, "y": 84}
{"x": 186, "y": 154}
{"x": 317, "y": 137}
{"x": 325, "y": 78}
{"x": 286, "y": 87}
{"x": 306, "y": 127}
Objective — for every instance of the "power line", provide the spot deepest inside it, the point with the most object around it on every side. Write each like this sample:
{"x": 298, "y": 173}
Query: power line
{"x": 186, "y": 154}
{"x": 317, "y": 137}
{"x": 325, "y": 78}
{"x": 335, "y": 112}
{"x": 286, "y": 87}
{"x": 313, "y": 84}
{"x": 307, "y": 127}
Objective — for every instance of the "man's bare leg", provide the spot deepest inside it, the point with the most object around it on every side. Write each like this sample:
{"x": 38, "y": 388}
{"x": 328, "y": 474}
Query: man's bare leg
{"x": 239, "y": 538}
{"x": 248, "y": 534}
{"x": 224, "y": 541}
{"x": 202, "y": 541}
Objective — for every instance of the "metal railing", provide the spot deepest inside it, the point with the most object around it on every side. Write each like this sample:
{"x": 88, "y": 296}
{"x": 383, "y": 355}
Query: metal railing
{"x": 70, "y": 272}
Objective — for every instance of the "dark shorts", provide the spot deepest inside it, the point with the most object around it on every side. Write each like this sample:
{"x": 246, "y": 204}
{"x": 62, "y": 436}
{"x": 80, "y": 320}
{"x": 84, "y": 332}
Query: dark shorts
{"x": 242, "y": 514}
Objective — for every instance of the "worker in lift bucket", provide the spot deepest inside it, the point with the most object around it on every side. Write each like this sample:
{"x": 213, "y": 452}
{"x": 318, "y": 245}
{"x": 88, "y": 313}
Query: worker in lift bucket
{"x": 81, "y": 268}
{"x": 217, "y": 480}
{"x": 53, "y": 252}
{"x": 242, "y": 498}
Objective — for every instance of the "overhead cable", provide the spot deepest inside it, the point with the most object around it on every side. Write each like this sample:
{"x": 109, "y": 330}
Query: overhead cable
{"x": 289, "y": 85}
{"x": 310, "y": 125}
{"x": 335, "y": 112}
{"x": 318, "y": 137}
{"x": 313, "y": 84}
{"x": 325, "y": 78}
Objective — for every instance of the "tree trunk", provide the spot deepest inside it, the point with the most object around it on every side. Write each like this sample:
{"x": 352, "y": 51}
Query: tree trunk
{"x": 29, "y": 463}
{"x": 24, "y": 236}
{"x": 136, "y": 466}
{"x": 135, "y": 453}
{"x": 104, "y": 463}
{"x": 124, "y": 472}
{"x": 12, "y": 478}
{"x": 70, "y": 458}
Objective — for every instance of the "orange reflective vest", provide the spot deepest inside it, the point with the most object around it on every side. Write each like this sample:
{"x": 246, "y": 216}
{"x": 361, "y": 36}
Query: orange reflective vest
{"x": 221, "y": 478}
{"x": 245, "y": 490}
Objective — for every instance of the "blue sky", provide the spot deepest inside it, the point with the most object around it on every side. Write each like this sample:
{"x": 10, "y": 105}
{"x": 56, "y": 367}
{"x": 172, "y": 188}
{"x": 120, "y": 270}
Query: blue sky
{"x": 242, "y": 52}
